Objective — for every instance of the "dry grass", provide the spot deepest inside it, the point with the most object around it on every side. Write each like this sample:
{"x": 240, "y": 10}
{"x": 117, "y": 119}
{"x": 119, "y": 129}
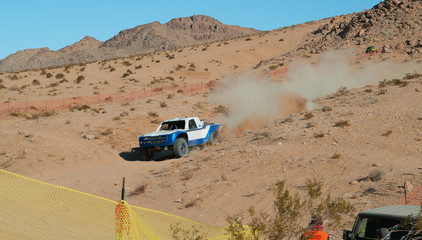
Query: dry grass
{"x": 140, "y": 189}
{"x": 186, "y": 175}
{"x": 319, "y": 135}
{"x": 376, "y": 175}
{"x": 388, "y": 133}
{"x": 342, "y": 123}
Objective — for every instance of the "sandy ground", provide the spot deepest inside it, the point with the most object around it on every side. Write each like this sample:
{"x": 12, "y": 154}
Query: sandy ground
{"x": 93, "y": 149}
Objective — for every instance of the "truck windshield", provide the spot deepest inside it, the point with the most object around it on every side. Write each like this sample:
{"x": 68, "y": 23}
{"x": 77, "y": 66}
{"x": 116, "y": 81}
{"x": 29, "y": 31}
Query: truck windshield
{"x": 367, "y": 227}
{"x": 166, "y": 126}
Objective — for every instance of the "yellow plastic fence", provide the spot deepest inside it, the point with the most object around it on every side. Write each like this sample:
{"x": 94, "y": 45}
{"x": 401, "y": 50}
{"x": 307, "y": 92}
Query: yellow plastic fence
{"x": 30, "y": 209}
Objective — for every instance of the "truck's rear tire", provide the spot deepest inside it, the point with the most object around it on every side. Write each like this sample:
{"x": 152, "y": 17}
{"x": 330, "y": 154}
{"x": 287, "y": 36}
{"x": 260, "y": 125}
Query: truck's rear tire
{"x": 180, "y": 147}
{"x": 146, "y": 154}
{"x": 211, "y": 139}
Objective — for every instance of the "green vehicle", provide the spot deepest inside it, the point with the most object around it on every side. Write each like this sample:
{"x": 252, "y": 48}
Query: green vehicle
{"x": 371, "y": 49}
{"x": 370, "y": 222}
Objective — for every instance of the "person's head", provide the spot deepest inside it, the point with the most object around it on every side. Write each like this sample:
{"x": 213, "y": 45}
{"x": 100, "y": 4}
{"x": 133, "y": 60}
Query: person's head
{"x": 316, "y": 223}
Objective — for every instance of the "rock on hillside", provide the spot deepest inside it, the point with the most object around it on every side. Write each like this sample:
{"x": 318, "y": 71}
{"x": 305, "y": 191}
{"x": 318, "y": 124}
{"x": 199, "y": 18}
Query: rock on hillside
{"x": 146, "y": 38}
{"x": 389, "y": 20}
{"x": 392, "y": 25}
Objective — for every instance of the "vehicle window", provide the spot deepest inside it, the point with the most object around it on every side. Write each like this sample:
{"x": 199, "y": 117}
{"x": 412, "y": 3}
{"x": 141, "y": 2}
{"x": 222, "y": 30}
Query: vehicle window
{"x": 367, "y": 228}
{"x": 172, "y": 125}
{"x": 192, "y": 124}
{"x": 360, "y": 230}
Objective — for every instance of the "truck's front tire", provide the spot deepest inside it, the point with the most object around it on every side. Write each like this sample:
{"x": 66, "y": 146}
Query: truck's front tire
{"x": 180, "y": 147}
{"x": 146, "y": 154}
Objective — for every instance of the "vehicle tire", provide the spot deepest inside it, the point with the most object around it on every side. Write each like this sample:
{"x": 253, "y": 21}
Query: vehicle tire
{"x": 180, "y": 147}
{"x": 146, "y": 154}
{"x": 211, "y": 139}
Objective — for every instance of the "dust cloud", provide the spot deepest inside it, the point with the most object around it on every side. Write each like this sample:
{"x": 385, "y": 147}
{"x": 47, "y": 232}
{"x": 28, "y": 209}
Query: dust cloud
{"x": 252, "y": 98}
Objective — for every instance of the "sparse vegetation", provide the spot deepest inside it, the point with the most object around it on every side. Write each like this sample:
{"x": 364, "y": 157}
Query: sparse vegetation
{"x": 319, "y": 135}
{"x": 222, "y": 109}
{"x": 336, "y": 156}
{"x": 376, "y": 175}
{"x": 138, "y": 190}
{"x": 35, "y": 82}
{"x": 192, "y": 233}
{"x": 290, "y": 211}
{"x": 382, "y": 91}
{"x": 126, "y": 63}
{"x": 178, "y": 67}
{"x": 107, "y": 132}
{"x": 308, "y": 116}
{"x": 342, "y": 123}
{"x": 388, "y": 133}
{"x": 49, "y": 75}
{"x": 79, "y": 79}
{"x": 59, "y": 75}
{"x": 152, "y": 114}
{"x": 412, "y": 76}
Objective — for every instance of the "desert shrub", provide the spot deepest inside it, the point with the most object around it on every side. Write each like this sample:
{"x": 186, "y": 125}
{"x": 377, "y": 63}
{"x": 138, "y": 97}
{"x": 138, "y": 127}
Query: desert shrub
{"x": 112, "y": 69}
{"x": 126, "y": 63}
{"x": 192, "y": 233}
{"x": 107, "y": 132}
{"x": 43, "y": 72}
{"x": 79, "y": 108}
{"x": 388, "y": 133}
{"x": 326, "y": 109}
{"x": 192, "y": 67}
{"x": 368, "y": 90}
{"x": 59, "y": 75}
{"x": 54, "y": 84}
{"x": 13, "y": 88}
{"x": 170, "y": 96}
{"x": 336, "y": 156}
{"x": 138, "y": 67}
{"x": 281, "y": 40}
{"x": 308, "y": 116}
{"x": 125, "y": 75}
{"x": 2, "y": 86}
{"x": 140, "y": 189}
{"x": 39, "y": 115}
{"x": 398, "y": 82}
{"x": 222, "y": 109}
{"x": 290, "y": 211}
{"x": 382, "y": 91}
{"x": 272, "y": 67}
{"x": 248, "y": 39}
{"x": 342, "y": 123}
{"x": 152, "y": 114}
{"x": 319, "y": 135}
{"x": 376, "y": 175}
{"x": 178, "y": 67}
{"x": 412, "y": 76}
{"x": 35, "y": 82}
{"x": 343, "y": 91}
{"x": 49, "y": 75}
{"x": 79, "y": 79}
{"x": 14, "y": 77}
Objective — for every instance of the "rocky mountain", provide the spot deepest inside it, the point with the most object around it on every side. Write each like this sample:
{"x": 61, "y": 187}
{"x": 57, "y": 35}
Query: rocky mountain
{"x": 178, "y": 32}
{"x": 391, "y": 26}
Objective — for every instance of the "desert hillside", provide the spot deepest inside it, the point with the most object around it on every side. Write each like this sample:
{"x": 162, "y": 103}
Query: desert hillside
{"x": 147, "y": 38}
{"x": 298, "y": 103}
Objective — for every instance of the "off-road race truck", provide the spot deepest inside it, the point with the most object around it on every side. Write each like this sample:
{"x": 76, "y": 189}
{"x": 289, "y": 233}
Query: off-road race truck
{"x": 178, "y": 135}
{"x": 369, "y": 223}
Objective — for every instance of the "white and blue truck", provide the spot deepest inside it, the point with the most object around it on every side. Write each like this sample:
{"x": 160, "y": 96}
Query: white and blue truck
{"x": 178, "y": 134}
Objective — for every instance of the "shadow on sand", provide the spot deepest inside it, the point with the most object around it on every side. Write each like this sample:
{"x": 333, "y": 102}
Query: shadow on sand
{"x": 134, "y": 155}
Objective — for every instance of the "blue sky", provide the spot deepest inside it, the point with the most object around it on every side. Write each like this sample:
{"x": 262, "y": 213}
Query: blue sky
{"x": 55, "y": 23}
